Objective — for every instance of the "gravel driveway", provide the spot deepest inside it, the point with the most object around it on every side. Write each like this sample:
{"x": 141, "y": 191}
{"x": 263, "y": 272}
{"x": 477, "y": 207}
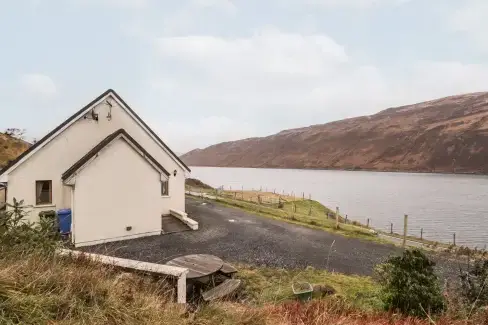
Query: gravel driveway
{"x": 238, "y": 236}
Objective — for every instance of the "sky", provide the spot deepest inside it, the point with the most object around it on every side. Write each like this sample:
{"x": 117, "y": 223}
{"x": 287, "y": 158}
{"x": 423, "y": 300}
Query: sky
{"x": 201, "y": 72}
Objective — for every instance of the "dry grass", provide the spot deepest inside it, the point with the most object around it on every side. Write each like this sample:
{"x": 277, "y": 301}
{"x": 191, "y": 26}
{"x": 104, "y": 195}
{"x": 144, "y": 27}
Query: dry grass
{"x": 10, "y": 148}
{"x": 252, "y": 196}
{"x": 43, "y": 289}
{"x": 327, "y": 312}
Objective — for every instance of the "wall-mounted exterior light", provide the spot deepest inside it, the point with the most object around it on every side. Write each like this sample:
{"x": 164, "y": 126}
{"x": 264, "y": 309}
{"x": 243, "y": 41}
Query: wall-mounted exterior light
{"x": 174, "y": 173}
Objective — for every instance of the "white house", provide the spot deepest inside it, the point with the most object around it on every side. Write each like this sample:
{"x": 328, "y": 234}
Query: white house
{"x": 106, "y": 165}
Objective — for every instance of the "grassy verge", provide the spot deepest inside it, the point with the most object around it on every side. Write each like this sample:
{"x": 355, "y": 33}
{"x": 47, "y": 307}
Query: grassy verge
{"x": 425, "y": 242}
{"x": 307, "y": 213}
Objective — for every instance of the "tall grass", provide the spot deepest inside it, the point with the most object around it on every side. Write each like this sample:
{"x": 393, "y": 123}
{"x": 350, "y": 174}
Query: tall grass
{"x": 329, "y": 312}
{"x": 38, "y": 288}
{"x": 41, "y": 288}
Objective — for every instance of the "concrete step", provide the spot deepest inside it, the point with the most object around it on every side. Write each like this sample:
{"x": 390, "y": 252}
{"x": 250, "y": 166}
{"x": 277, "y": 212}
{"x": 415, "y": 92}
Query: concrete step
{"x": 170, "y": 224}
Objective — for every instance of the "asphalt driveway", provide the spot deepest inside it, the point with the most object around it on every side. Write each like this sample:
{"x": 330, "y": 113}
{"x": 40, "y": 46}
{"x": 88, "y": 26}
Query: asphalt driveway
{"x": 238, "y": 236}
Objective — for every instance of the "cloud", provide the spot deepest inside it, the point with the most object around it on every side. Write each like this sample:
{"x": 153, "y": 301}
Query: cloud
{"x": 38, "y": 85}
{"x": 274, "y": 80}
{"x": 360, "y": 4}
{"x": 206, "y": 130}
{"x": 267, "y": 51}
{"x": 470, "y": 19}
{"x": 114, "y": 3}
{"x": 196, "y": 12}
{"x": 267, "y": 71}
{"x": 226, "y": 5}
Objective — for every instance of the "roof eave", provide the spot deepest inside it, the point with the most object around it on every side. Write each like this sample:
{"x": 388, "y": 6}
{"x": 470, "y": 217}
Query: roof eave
{"x": 60, "y": 127}
{"x": 121, "y": 133}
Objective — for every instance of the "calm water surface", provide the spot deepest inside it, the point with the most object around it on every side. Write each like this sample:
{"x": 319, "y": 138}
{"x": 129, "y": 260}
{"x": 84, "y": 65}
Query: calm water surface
{"x": 440, "y": 204}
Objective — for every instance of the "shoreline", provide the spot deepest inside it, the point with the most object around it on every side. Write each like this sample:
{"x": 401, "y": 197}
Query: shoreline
{"x": 396, "y": 171}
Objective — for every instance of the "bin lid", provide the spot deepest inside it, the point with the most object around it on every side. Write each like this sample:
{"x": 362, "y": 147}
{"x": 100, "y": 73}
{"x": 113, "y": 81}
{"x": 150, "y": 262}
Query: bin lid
{"x": 64, "y": 211}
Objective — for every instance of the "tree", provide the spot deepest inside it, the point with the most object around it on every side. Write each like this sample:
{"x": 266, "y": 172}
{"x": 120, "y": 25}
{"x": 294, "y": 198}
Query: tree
{"x": 411, "y": 286}
{"x": 15, "y": 133}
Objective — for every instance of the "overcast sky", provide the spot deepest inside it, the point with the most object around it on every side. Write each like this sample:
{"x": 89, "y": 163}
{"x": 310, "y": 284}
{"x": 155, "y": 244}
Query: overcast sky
{"x": 205, "y": 71}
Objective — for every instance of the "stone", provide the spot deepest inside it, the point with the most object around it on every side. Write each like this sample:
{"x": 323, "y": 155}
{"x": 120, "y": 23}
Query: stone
{"x": 323, "y": 290}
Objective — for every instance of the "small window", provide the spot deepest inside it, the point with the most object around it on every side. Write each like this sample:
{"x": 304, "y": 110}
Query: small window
{"x": 44, "y": 192}
{"x": 164, "y": 188}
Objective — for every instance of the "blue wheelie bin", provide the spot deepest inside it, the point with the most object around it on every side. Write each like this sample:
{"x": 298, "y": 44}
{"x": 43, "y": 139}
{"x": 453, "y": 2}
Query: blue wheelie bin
{"x": 64, "y": 219}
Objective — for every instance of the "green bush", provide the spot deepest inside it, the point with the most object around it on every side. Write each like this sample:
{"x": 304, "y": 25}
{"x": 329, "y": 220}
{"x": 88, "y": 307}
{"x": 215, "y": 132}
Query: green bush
{"x": 474, "y": 284}
{"x": 410, "y": 285}
{"x": 17, "y": 234}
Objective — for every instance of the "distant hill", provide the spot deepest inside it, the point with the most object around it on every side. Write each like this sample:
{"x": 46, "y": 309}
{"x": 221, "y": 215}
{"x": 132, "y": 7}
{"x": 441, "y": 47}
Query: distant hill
{"x": 10, "y": 148}
{"x": 443, "y": 135}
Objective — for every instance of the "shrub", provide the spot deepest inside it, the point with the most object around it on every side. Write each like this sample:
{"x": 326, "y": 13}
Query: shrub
{"x": 17, "y": 234}
{"x": 410, "y": 285}
{"x": 474, "y": 284}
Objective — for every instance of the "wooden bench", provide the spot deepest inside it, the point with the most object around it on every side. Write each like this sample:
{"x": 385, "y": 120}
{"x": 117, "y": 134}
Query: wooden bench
{"x": 228, "y": 269}
{"x": 159, "y": 269}
{"x": 222, "y": 290}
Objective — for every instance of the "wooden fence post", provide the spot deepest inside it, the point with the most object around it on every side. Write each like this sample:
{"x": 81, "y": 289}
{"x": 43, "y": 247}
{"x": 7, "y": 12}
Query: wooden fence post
{"x": 421, "y": 233}
{"x": 346, "y": 220}
{"x": 337, "y": 217}
{"x": 454, "y": 239}
{"x": 405, "y": 224}
{"x": 367, "y": 223}
{"x": 391, "y": 228}
{"x": 310, "y": 205}
{"x": 303, "y": 195}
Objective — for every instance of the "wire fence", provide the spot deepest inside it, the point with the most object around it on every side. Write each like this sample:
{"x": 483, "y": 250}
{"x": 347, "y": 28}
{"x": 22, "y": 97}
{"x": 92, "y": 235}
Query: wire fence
{"x": 289, "y": 204}
{"x": 430, "y": 235}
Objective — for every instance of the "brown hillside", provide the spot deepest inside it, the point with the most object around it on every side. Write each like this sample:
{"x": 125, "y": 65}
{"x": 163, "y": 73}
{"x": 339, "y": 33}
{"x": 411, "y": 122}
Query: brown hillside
{"x": 444, "y": 135}
{"x": 10, "y": 148}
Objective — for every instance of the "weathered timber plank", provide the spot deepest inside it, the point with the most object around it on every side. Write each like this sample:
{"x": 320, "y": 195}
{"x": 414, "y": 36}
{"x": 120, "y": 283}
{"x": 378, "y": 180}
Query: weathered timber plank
{"x": 222, "y": 290}
{"x": 199, "y": 265}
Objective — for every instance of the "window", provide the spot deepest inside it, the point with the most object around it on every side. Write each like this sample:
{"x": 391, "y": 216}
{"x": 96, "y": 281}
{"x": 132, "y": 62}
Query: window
{"x": 44, "y": 192}
{"x": 164, "y": 188}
